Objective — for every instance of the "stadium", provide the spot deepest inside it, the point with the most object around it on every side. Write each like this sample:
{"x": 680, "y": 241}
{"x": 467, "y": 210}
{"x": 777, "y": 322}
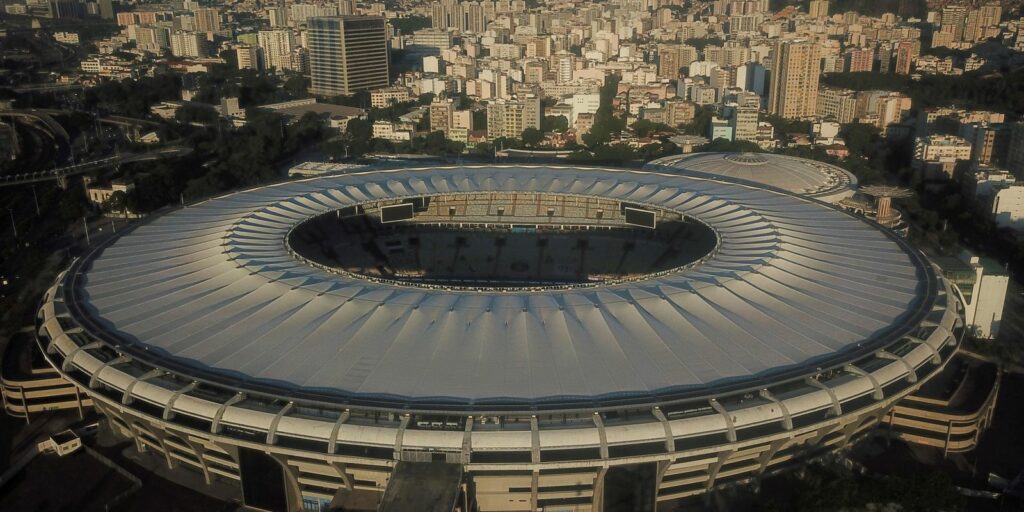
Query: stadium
{"x": 801, "y": 176}
{"x": 498, "y": 338}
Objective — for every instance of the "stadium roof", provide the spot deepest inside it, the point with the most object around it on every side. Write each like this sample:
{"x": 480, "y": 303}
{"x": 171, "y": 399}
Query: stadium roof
{"x": 213, "y": 287}
{"x": 791, "y": 174}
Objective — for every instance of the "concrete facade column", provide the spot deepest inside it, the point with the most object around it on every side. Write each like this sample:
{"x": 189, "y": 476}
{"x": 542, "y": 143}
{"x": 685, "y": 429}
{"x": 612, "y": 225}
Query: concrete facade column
{"x": 332, "y": 443}
{"x": 601, "y": 435}
{"x": 598, "y": 501}
{"x": 534, "y": 441}
{"x": 293, "y": 490}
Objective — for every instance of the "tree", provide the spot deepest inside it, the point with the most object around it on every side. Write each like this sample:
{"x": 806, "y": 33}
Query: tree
{"x": 117, "y": 202}
{"x": 701, "y": 124}
{"x": 480, "y": 119}
{"x": 196, "y": 113}
{"x": 605, "y": 123}
{"x": 296, "y": 86}
{"x": 507, "y": 143}
{"x": 392, "y": 112}
{"x": 532, "y": 137}
{"x": 643, "y": 128}
{"x": 435, "y": 143}
{"x": 861, "y": 139}
{"x": 73, "y": 204}
{"x": 554, "y": 124}
{"x": 133, "y": 97}
{"x": 484, "y": 149}
{"x": 410, "y": 24}
{"x": 700, "y": 42}
{"x": 360, "y": 99}
{"x": 425, "y": 99}
{"x": 1000, "y": 91}
{"x": 357, "y": 137}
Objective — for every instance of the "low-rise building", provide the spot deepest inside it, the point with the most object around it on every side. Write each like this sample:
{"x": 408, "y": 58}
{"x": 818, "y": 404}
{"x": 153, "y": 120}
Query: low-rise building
{"x": 508, "y": 118}
{"x": 397, "y": 132}
{"x": 62, "y": 443}
{"x": 108, "y": 67}
{"x": 838, "y": 104}
{"x": 936, "y": 156}
{"x": 882, "y": 108}
{"x": 248, "y": 56}
{"x": 981, "y": 185}
{"x": 382, "y": 98}
{"x": 335, "y": 117}
{"x": 931, "y": 118}
{"x": 99, "y": 194}
{"x": 440, "y": 112}
{"x": 989, "y": 142}
{"x": 982, "y": 283}
{"x": 825, "y": 132}
{"x": 583, "y": 124}
{"x": 1008, "y": 207}
{"x": 66, "y": 37}
{"x": 721, "y": 129}
{"x": 188, "y": 44}
{"x": 743, "y": 121}
{"x": 1015, "y": 153}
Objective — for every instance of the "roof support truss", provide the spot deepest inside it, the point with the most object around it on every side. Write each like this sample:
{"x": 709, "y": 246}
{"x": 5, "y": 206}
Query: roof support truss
{"x": 599, "y": 423}
{"x": 127, "y": 397}
{"x": 467, "y": 440}
{"x": 169, "y": 408}
{"x": 936, "y": 358}
{"x": 272, "y": 431}
{"x": 670, "y": 445}
{"x": 877, "y": 394}
{"x": 731, "y": 432}
{"x": 837, "y": 410}
{"x": 534, "y": 440}
{"x": 332, "y": 443}
{"x": 95, "y": 377}
{"x": 787, "y": 419}
{"x": 911, "y": 372}
{"x": 71, "y": 356}
{"x": 215, "y": 426}
{"x": 400, "y": 436}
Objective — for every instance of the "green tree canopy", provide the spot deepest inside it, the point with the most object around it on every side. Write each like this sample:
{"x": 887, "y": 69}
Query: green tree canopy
{"x": 196, "y": 113}
{"x": 606, "y": 125}
{"x": 117, "y": 202}
{"x": 643, "y": 128}
{"x": 861, "y": 139}
{"x": 532, "y": 137}
{"x": 410, "y": 24}
{"x": 554, "y": 124}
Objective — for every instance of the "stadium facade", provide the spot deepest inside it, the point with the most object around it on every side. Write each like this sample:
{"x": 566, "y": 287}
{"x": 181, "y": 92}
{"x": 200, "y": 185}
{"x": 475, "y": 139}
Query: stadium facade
{"x": 540, "y": 337}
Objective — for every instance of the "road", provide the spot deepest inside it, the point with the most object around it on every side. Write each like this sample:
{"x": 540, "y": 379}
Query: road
{"x": 40, "y": 124}
{"x": 84, "y": 167}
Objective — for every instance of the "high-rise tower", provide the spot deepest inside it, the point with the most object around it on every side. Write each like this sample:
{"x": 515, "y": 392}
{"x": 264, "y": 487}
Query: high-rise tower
{"x": 796, "y": 67}
{"x": 347, "y": 54}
